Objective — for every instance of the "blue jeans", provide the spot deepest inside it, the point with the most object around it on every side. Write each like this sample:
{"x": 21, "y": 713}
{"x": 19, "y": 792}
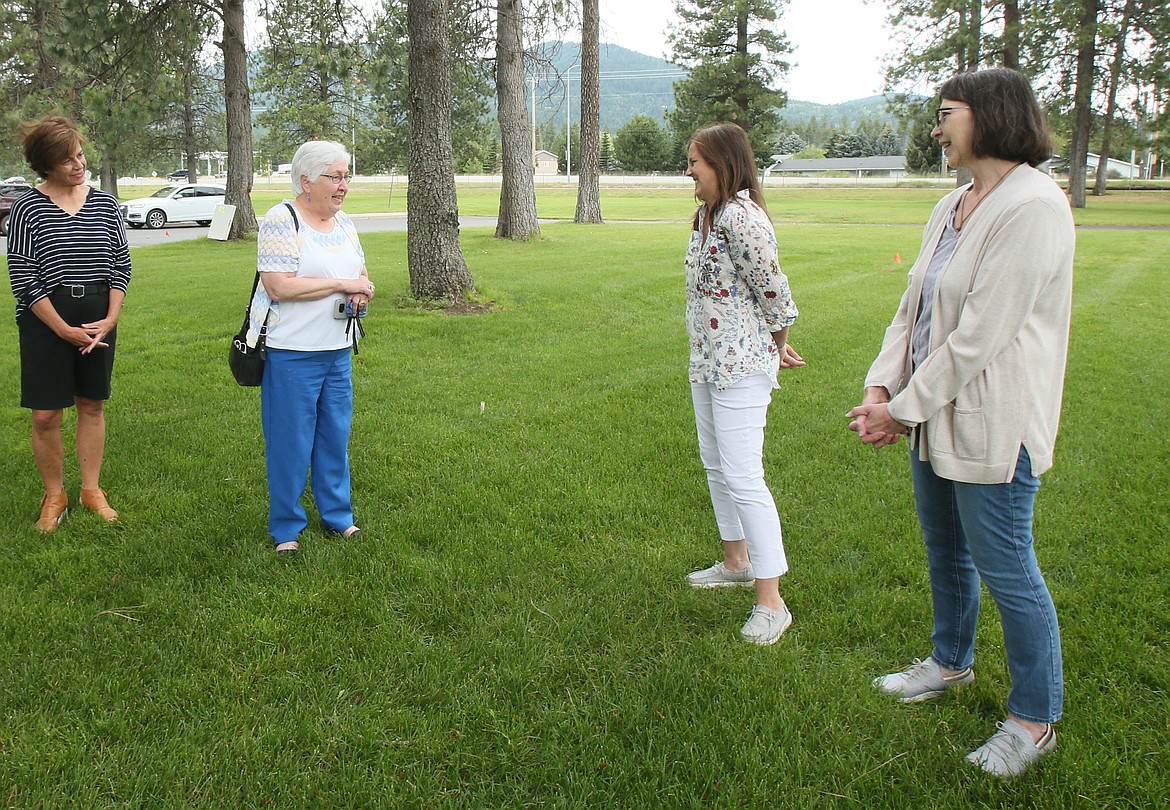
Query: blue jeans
{"x": 984, "y": 531}
{"x": 306, "y": 407}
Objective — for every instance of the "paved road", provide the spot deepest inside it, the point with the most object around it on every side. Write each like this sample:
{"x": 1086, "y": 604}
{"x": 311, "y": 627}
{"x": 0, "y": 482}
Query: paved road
{"x": 366, "y": 223}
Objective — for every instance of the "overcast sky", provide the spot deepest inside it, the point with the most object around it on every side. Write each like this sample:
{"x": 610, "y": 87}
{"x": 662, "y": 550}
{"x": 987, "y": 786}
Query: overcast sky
{"x": 838, "y": 44}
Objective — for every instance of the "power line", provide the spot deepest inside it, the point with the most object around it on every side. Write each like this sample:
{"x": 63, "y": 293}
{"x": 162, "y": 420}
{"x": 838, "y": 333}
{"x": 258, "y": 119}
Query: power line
{"x": 621, "y": 75}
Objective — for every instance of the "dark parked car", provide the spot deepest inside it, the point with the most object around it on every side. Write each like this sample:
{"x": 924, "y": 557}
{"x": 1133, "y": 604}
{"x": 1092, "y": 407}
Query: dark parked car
{"x": 178, "y": 175}
{"x": 8, "y": 195}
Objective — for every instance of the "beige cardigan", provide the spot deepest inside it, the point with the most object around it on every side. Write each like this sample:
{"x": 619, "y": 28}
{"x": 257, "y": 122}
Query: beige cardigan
{"x": 998, "y": 338}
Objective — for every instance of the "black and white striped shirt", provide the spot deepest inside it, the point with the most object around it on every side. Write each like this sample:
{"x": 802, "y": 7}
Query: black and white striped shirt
{"x": 48, "y": 248}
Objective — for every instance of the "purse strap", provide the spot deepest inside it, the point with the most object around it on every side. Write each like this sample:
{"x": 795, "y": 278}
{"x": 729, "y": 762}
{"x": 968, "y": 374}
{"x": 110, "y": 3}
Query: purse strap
{"x": 256, "y": 281}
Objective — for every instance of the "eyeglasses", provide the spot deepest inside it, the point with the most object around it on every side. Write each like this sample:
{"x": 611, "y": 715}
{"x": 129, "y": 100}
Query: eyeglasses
{"x": 943, "y": 112}
{"x": 338, "y": 179}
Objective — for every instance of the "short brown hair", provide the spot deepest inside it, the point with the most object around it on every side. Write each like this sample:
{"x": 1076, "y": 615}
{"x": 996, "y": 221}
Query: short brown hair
{"x": 1009, "y": 123}
{"x": 50, "y": 142}
{"x": 726, "y": 148}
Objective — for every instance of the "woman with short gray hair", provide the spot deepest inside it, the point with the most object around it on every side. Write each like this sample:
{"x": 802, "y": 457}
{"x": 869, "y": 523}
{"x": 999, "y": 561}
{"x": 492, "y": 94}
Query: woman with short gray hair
{"x": 312, "y": 159}
{"x": 314, "y": 288}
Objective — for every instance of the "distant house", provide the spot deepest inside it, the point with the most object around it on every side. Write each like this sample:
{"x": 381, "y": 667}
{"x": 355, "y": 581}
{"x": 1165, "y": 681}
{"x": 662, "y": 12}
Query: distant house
{"x": 546, "y": 162}
{"x": 1121, "y": 168}
{"x": 876, "y": 166}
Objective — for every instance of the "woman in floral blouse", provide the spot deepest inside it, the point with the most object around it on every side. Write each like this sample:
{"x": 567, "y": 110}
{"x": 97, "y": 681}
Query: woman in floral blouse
{"x": 739, "y": 309}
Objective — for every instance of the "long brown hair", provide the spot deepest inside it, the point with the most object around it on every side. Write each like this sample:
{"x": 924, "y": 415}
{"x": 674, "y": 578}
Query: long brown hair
{"x": 725, "y": 147}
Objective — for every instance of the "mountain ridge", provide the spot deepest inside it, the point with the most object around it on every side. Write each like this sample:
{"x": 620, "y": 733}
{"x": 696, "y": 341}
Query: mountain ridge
{"x": 634, "y": 83}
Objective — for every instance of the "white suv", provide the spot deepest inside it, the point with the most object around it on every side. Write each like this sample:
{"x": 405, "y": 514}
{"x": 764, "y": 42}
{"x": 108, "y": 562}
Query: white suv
{"x": 188, "y": 203}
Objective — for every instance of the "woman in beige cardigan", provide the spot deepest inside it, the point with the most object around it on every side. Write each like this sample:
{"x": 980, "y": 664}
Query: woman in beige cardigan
{"x": 972, "y": 369}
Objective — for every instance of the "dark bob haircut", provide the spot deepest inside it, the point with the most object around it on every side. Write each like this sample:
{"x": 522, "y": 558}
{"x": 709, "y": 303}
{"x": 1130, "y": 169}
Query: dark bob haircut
{"x": 50, "y": 142}
{"x": 1009, "y": 123}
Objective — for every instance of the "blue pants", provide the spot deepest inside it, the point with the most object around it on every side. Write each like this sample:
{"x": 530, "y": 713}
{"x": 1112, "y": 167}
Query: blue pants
{"x": 306, "y": 407}
{"x": 984, "y": 531}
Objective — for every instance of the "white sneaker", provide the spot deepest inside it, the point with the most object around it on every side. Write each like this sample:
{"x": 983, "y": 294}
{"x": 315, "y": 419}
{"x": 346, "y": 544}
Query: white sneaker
{"x": 719, "y": 576}
{"x": 1011, "y": 751}
{"x": 765, "y": 626}
{"x": 922, "y": 680}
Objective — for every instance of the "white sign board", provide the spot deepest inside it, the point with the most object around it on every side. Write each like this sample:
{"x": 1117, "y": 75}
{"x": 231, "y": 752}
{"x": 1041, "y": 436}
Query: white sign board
{"x": 221, "y": 223}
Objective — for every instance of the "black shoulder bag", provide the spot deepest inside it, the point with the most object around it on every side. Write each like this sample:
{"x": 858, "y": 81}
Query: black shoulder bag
{"x": 247, "y": 362}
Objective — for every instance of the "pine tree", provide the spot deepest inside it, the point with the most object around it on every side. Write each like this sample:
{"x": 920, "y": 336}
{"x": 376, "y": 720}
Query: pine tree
{"x": 435, "y": 262}
{"x": 492, "y": 162}
{"x": 846, "y": 145}
{"x": 736, "y": 57}
{"x": 641, "y": 145}
{"x": 923, "y": 155}
{"x": 887, "y": 142}
{"x": 790, "y": 143}
{"x": 517, "y": 217}
{"x": 608, "y": 158}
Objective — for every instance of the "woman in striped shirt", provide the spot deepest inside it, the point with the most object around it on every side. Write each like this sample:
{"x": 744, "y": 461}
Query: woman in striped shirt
{"x": 70, "y": 267}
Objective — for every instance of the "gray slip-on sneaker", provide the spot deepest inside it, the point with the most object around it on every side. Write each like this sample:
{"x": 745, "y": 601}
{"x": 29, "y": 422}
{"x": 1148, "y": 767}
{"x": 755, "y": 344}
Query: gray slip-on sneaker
{"x": 719, "y": 576}
{"x": 765, "y": 626}
{"x": 922, "y": 680}
{"x": 1011, "y": 750}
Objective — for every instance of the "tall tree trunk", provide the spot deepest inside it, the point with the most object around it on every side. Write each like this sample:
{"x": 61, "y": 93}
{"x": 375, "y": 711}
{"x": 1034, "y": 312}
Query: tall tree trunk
{"x": 971, "y": 25}
{"x": 974, "y": 35}
{"x": 1111, "y": 104}
{"x": 109, "y": 174}
{"x": 1011, "y": 34}
{"x": 238, "y": 109}
{"x": 960, "y": 44}
{"x": 435, "y": 260}
{"x": 517, "y": 218}
{"x": 741, "y": 95}
{"x": 189, "y": 123}
{"x": 1083, "y": 101}
{"x": 589, "y": 186}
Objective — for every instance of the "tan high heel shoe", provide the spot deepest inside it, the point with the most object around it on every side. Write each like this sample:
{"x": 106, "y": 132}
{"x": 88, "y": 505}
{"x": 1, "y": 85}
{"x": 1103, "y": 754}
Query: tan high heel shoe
{"x": 95, "y": 501}
{"x": 54, "y": 509}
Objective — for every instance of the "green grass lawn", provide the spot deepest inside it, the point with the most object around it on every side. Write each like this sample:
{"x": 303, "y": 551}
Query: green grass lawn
{"x": 514, "y": 629}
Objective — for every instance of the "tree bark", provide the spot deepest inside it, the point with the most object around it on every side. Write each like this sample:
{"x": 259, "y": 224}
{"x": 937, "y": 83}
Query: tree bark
{"x": 437, "y": 268}
{"x": 1011, "y": 34}
{"x": 517, "y": 217}
{"x": 971, "y": 26}
{"x": 589, "y": 184}
{"x": 189, "y": 145}
{"x": 1111, "y": 104}
{"x": 109, "y": 174}
{"x": 238, "y": 108}
{"x": 1083, "y": 101}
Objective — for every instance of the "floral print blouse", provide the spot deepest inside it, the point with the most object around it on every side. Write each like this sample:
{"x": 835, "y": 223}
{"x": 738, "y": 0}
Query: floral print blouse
{"x": 736, "y": 296}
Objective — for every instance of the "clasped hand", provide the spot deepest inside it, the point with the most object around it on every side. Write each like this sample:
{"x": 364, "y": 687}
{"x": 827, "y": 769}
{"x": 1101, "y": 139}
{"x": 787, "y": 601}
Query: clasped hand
{"x": 872, "y": 423}
{"x": 361, "y": 297}
{"x": 90, "y": 336}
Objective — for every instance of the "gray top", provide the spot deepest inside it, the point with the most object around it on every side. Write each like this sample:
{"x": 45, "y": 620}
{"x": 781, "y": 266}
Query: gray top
{"x": 920, "y": 338}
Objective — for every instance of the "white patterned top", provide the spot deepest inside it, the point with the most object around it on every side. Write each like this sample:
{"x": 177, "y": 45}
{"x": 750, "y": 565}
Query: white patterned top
{"x": 737, "y": 296}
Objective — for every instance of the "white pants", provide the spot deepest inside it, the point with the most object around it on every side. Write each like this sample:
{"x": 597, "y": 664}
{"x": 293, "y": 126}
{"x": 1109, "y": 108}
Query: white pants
{"x": 731, "y": 424}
